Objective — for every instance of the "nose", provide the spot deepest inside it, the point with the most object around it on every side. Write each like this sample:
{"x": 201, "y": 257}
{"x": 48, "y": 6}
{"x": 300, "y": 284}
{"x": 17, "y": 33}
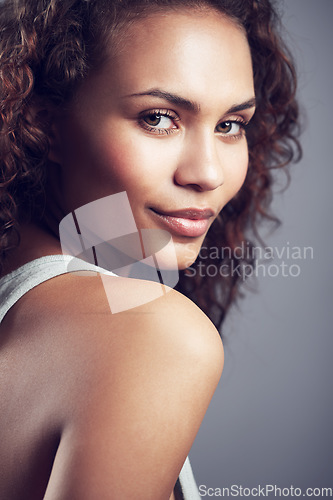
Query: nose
{"x": 200, "y": 165}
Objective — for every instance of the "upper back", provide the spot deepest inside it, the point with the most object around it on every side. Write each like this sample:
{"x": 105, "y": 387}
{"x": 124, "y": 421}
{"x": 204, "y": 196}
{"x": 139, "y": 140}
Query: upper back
{"x": 147, "y": 372}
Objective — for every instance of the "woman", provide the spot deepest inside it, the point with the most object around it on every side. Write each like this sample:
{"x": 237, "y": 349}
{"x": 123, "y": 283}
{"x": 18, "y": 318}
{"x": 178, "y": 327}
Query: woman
{"x": 155, "y": 100}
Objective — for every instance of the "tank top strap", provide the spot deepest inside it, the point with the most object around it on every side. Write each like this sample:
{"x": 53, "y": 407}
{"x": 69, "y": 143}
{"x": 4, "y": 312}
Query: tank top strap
{"x": 17, "y": 283}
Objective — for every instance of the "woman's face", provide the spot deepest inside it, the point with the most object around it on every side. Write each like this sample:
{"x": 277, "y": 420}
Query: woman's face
{"x": 164, "y": 120}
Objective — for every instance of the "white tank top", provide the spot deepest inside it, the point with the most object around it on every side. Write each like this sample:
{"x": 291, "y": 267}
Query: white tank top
{"x": 17, "y": 283}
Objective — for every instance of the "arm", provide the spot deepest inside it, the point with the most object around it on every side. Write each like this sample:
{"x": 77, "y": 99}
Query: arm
{"x": 148, "y": 375}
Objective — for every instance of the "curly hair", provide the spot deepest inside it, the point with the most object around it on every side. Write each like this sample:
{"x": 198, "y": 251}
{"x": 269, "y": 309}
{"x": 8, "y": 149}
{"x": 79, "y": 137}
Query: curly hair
{"x": 48, "y": 47}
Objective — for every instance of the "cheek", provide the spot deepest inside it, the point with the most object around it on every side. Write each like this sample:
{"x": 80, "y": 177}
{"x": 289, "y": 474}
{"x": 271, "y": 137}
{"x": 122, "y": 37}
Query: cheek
{"x": 117, "y": 162}
{"x": 134, "y": 162}
{"x": 235, "y": 170}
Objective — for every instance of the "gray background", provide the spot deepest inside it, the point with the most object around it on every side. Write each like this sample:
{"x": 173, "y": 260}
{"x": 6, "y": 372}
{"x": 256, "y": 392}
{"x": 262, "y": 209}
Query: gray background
{"x": 270, "y": 421}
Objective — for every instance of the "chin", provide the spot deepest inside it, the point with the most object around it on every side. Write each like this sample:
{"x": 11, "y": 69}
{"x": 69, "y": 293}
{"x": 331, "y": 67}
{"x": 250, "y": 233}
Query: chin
{"x": 186, "y": 254}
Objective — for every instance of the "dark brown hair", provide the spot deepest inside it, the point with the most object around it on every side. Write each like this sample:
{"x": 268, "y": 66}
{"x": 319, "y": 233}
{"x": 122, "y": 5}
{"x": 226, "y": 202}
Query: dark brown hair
{"x": 48, "y": 47}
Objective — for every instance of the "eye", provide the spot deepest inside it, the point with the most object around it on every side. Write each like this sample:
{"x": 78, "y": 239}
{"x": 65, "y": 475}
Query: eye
{"x": 155, "y": 119}
{"x": 159, "y": 121}
{"x": 231, "y": 128}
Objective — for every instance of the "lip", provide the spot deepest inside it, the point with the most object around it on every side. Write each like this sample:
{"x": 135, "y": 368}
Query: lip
{"x": 190, "y": 222}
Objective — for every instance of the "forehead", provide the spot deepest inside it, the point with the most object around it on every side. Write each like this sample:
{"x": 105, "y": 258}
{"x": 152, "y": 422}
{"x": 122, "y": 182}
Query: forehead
{"x": 198, "y": 53}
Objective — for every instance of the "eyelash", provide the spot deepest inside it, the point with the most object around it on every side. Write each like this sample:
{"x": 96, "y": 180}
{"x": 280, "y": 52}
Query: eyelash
{"x": 242, "y": 128}
{"x": 158, "y": 113}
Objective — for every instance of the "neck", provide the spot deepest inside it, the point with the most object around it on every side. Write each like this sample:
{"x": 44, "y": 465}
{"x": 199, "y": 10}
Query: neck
{"x": 36, "y": 240}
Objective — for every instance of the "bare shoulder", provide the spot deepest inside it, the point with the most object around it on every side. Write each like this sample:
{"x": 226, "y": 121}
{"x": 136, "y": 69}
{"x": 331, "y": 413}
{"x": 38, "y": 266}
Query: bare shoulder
{"x": 166, "y": 332}
{"x": 133, "y": 386}
{"x": 117, "y": 311}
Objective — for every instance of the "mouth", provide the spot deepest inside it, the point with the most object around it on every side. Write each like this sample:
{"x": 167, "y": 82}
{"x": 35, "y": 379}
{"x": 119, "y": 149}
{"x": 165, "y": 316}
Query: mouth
{"x": 190, "y": 222}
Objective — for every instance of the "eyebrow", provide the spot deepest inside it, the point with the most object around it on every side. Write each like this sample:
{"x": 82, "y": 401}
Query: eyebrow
{"x": 191, "y": 105}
